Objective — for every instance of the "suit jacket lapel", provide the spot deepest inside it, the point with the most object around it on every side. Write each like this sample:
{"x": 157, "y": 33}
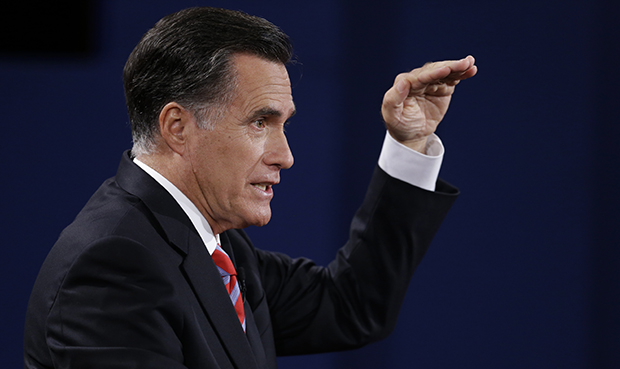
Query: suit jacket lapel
{"x": 253, "y": 338}
{"x": 200, "y": 271}
{"x": 252, "y": 334}
{"x": 203, "y": 276}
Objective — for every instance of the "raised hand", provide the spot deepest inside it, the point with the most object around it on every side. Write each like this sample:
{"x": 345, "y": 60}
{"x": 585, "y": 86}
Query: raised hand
{"x": 418, "y": 100}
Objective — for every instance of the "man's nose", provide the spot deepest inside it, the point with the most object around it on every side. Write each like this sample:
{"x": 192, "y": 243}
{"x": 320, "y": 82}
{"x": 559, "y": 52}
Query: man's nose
{"x": 278, "y": 152}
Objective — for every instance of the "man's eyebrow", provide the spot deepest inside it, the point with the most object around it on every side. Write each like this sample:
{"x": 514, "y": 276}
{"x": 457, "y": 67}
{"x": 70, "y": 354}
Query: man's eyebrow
{"x": 269, "y": 111}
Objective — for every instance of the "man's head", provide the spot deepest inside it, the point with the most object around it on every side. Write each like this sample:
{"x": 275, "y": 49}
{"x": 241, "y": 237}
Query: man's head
{"x": 209, "y": 95}
{"x": 186, "y": 58}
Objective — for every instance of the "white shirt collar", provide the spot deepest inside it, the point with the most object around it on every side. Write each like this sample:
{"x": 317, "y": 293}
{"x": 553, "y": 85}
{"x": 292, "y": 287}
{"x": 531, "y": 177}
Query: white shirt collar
{"x": 197, "y": 219}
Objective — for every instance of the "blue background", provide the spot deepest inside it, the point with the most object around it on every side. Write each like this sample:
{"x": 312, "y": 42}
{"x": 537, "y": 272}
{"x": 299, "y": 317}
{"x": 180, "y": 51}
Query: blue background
{"x": 525, "y": 272}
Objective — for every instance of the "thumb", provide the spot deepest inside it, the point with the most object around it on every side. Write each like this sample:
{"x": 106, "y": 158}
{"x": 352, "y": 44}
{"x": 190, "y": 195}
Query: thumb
{"x": 395, "y": 96}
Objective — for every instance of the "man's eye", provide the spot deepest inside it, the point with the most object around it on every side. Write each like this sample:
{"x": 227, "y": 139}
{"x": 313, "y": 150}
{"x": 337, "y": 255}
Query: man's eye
{"x": 260, "y": 123}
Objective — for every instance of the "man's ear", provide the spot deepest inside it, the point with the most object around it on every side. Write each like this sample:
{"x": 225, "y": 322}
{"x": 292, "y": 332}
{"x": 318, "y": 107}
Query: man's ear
{"x": 174, "y": 126}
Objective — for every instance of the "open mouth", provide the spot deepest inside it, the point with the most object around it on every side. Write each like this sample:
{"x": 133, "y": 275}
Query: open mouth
{"x": 261, "y": 186}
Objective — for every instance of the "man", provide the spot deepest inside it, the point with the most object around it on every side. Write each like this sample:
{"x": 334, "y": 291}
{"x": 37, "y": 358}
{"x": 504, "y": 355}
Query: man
{"x": 156, "y": 272}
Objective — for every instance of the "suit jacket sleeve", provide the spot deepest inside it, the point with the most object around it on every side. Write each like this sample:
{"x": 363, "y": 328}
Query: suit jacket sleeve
{"x": 356, "y": 299}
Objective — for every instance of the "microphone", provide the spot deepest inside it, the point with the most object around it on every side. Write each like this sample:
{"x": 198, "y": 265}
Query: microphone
{"x": 241, "y": 279}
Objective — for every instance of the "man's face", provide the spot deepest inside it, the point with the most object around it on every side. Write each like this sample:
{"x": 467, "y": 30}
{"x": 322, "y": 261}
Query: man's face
{"x": 236, "y": 164}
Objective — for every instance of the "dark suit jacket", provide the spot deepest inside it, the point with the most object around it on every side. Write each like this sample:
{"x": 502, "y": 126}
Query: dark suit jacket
{"x": 129, "y": 284}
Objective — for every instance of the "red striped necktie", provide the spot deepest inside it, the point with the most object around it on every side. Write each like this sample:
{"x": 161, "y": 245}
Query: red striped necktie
{"x": 229, "y": 277}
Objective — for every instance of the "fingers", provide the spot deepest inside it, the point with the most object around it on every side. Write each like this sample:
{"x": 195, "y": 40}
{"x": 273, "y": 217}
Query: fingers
{"x": 455, "y": 68}
{"x": 432, "y": 79}
{"x": 448, "y": 72}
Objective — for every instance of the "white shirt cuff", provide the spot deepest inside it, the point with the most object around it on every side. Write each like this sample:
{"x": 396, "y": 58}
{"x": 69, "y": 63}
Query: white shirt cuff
{"x": 410, "y": 166}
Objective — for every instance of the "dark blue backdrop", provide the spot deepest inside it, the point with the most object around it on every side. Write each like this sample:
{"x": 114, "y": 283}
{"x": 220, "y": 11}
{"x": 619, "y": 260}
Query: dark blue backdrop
{"x": 525, "y": 272}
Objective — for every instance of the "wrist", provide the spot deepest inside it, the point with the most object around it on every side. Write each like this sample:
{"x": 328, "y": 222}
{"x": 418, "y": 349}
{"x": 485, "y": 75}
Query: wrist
{"x": 418, "y": 144}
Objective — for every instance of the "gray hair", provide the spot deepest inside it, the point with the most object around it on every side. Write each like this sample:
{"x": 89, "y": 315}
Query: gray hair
{"x": 187, "y": 57}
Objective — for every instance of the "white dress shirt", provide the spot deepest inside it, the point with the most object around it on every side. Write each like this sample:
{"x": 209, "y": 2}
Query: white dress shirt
{"x": 395, "y": 159}
{"x": 194, "y": 215}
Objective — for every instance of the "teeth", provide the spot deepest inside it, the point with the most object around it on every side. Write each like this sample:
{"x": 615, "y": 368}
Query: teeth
{"x": 260, "y": 186}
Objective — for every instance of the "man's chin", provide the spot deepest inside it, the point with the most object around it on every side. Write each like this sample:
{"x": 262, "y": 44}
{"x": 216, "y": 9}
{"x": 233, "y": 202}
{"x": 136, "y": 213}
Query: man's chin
{"x": 263, "y": 221}
{"x": 261, "y": 217}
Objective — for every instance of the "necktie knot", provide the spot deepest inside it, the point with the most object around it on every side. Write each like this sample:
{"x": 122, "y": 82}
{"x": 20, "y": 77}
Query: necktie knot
{"x": 223, "y": 262}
